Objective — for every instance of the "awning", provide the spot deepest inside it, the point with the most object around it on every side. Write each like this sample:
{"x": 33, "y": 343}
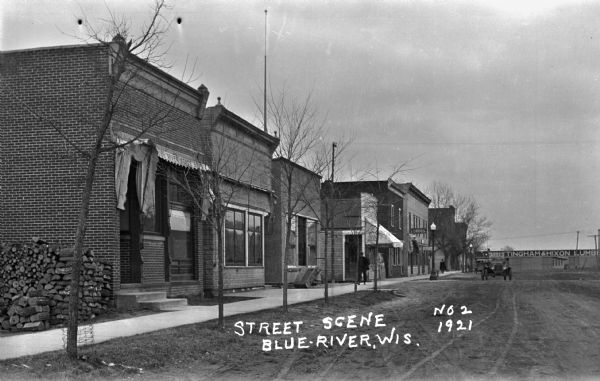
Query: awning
{"x": 167, "y": 154}
{"x": 179, "y": 158}
{"x": 386, "y": 238}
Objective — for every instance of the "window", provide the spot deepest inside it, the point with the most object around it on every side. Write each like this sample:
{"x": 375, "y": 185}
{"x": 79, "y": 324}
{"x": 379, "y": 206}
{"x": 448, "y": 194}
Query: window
{"x": 392, "y": 215}
{"x": 255, "y": 239}
{"x": 311, "y": 233}
{"x": 302, "y": 242}
{"x": 399, "y": 218}
{"x": 243, "y": 227}
{"x": 234, "y": 238}
{"x": 154, "y": 223}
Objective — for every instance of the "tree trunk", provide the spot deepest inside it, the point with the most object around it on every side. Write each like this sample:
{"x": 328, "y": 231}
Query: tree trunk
{"x": 325, "y": 283}
{"x": 332, "y": 259}
{"x": 376, "y": 257}
{"x": 78, "y": 255}
{"x": 288, "y": 234}
{"x": 220, "y": 286}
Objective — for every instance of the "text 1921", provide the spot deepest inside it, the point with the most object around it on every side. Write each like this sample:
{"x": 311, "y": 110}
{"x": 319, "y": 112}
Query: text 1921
{"x": 458, "y": 326}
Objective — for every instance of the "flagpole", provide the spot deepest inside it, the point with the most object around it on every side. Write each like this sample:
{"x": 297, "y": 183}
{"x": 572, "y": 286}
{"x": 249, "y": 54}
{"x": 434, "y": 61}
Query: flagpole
{"x": 265, "y": 84}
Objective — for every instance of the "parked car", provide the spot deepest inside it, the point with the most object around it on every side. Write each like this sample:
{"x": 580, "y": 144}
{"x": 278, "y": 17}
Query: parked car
{"x": 487, "y": 270}
{"x": 497, "y": 268}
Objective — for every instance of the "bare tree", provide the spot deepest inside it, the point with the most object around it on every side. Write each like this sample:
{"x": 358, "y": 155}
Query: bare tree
{"x": 467, "y": 211}
{"x": 300, "y": 129}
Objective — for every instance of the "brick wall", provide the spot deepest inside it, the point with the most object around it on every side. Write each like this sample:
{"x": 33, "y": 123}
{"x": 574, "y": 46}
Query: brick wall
{"x": 181, "y": 289}
{"x": 124, "y": 247}
{"x": 153, "y": 258}
{"x": 41, "y": 174}
{"x": 242, "y": 277}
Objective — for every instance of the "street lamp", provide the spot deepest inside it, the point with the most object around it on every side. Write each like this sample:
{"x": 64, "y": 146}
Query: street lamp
{"x": 433, "y": 275}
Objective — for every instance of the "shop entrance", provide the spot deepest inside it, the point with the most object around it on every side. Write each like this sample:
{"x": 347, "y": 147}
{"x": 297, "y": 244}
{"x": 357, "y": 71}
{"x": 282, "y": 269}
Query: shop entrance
{"x": 352, "y": 248}
{"x": 131, "y": 258}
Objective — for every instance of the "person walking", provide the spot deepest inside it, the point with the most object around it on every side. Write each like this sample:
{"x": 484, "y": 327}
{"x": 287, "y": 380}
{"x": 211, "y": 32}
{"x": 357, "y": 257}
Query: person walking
{"x": 363, "y": 267}
{"x": 506, "y": 270}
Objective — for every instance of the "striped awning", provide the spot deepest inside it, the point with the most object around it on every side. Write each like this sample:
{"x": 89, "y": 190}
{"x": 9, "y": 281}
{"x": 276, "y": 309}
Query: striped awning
{"x": 179, "y": 158}
{"x": 386, "y": 238}
{"x": 167, "y": 154}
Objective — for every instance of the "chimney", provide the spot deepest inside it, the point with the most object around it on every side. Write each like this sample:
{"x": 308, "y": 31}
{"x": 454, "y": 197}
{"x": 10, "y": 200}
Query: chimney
{"x": 203, "y": 94}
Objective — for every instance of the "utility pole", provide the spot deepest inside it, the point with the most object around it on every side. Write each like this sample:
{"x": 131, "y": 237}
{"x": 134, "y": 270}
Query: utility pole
{"x": 577, "y": 244}
{"x": 333, "y": 147}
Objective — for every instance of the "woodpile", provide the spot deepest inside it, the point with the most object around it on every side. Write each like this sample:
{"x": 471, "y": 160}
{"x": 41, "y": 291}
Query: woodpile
{"x": 35, "y": 286}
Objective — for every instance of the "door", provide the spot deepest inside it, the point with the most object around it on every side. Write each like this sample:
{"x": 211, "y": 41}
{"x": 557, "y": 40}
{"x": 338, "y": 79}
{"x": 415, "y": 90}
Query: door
{"x": 352, "y": 247}
{"x": 180, "y": 241}
{"x": 302, "y": 241}
{"x": 180, "y": 244}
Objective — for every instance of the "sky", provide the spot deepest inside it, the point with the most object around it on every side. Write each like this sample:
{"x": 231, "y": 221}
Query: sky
{"x": 499, "y": 100}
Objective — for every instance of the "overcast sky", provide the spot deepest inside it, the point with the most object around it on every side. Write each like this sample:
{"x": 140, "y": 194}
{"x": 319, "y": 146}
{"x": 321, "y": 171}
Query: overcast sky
{"x": 500, "y": 100}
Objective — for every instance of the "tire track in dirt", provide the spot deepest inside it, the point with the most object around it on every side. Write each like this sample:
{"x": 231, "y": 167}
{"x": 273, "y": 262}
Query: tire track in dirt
{"x": 511, "y": 338}
{"x": 432, "y": 356}
{"x": 410, "y": 304}
{"x": 285, "y": 369}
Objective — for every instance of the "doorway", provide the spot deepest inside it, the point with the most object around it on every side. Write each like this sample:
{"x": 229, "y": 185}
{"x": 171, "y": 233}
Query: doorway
{"x": 180, "y": 241}
{"x": 352, "y": 249}
{"x": 130, "y": 232}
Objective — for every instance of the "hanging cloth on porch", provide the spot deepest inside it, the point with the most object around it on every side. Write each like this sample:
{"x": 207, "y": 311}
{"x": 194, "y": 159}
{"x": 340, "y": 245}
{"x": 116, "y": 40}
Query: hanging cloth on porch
{"x": 144, "y": 152}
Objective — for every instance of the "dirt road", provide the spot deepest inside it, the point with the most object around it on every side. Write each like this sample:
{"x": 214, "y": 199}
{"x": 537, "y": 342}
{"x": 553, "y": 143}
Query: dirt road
{"x": 524, "y": 329}
{"x": 456, "y": 328}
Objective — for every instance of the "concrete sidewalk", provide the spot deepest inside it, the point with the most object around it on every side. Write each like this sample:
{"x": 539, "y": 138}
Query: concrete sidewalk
{"x": 26, "y": 344}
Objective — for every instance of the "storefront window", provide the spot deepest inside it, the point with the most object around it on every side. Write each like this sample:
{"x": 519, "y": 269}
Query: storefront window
{"x": 311, "y": 229}
{"x": 255, "y": 240}
{"x": 234, "y": 238}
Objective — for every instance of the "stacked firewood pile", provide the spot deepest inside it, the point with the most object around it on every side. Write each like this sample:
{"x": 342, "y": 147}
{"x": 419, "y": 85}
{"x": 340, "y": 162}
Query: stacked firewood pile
{"x": 35, "y": 286}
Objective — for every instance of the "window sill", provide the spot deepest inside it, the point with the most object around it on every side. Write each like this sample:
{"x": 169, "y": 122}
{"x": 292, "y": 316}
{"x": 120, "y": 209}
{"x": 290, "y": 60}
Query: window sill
{"x": 153, "y": 237}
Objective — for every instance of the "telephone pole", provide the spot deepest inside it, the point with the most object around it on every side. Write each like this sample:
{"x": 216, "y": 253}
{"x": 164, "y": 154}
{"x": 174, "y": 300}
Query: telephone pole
{"x": 333, "y": 147}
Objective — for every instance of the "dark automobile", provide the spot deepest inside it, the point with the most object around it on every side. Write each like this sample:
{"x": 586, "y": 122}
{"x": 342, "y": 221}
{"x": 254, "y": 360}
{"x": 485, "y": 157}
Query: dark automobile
{"x": 497, "y": 268}
{"x": 494, "y": 269}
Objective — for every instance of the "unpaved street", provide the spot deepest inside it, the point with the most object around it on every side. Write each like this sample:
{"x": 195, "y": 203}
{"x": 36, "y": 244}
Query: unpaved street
{"x": 542, "y": 328}
{"x": 524, "y": 329}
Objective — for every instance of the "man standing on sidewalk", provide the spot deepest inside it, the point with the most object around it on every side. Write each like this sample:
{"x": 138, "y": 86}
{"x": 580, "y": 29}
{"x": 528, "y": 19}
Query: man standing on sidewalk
{"x": 363, "y": 267}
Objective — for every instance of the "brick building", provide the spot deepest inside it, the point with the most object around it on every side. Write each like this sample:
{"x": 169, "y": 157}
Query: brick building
{"x": 417, "y": 248}
{"x": 356, "y": 207}
{"x": 139, "y": 220}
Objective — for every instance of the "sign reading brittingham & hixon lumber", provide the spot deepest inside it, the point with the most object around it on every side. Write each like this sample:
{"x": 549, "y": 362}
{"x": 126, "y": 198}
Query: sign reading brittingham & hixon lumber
{"x": 540, "y": 253}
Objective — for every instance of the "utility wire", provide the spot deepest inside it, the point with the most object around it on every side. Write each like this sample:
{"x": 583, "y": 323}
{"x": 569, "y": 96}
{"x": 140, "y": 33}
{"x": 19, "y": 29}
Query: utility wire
{"x": 529, "y": 143}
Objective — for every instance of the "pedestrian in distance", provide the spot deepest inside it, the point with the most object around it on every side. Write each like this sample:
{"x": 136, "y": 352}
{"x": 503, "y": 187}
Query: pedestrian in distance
{"x": 506, "y": 270}
{"x": 442, "y": 266}
{"x": 363, "y": 267}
